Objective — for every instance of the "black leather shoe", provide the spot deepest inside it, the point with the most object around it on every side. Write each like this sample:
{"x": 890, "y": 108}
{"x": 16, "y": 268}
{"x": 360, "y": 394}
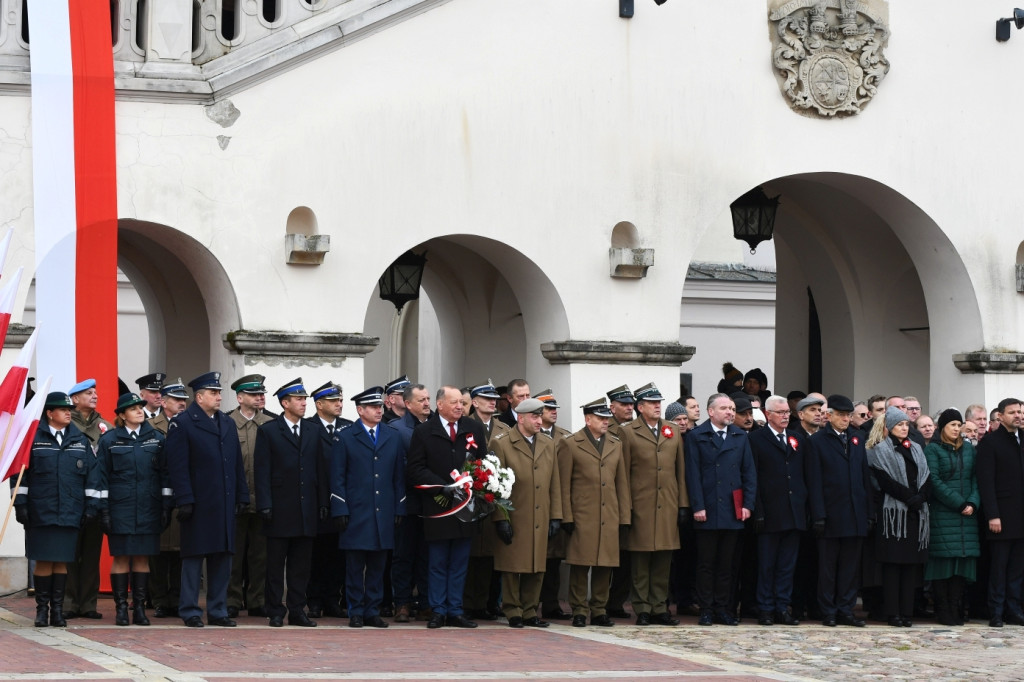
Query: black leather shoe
{"x": 482, "y": 614}
{"x": 355, "y": 621}
{"x": 436, "y": 621}
{"x": 334, "y": 611}
{"x": 222, "y": 622}
{"x": 301, "y": 620}
{"x": 258, "y": 612}
{"x": 664, "y": 619}
{"x": 232, "y": 612}
{"x": 995, "y": 622}
{"x": 829, "y": 621}
{"x": 765, "y": 618}
{"x": 847, "y": 619}
{"x": 277, "y": 621}
{"x": 164, "y": 612}
{"x": 895, "y": 622}
{"x": 387, "y": 611}
{"x": 557, "y": 614}
{"x": 726, "y": 618}
{"x": 315, "y": 612}
{"x": 191, "y": 622}
{"x": 580, "y": 621}
{"x": 617, "y": 613}
{"x": 785, "y": 618}
{"x": 705, "y": 618}
{"x": 907, "y": 623}
{"x": 1015, "y": 618}
{"x": 459, "y": 622}
{"x": 70, "y": 615}
{"x": 602, "y": 621}
{"x": 376, "y": 622}
{"x": 515, "y": 622}
{"x": 643, "y": 619}
{"x": 91, "y": 615}
{"x": 535, "y": 622}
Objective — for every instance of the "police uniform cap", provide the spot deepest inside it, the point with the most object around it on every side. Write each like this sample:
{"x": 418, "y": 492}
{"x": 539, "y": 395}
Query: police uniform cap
{"x": 250, "y": 383}
{"x": 209, "y": 381}
{"x": 371, "y": 396}
{"x": 293, "y": 388}
{"x": 485, "y": 390}
{"x": 151, "y": 382}
{"x": 83, "y": 385}
{"x": 329, "y": 391}
{"x": 175, "y": 390}
{"x": 598, "y": 408}
{"x": 397, "y": 385}
{"x": 622, "y": 394}
{"x": 56, "y": 399}
{"x": 530, "y": 406}
{"x": 126, "y": 400}
{"x": 547, "y": 398}
{"x": 648, "y": 392}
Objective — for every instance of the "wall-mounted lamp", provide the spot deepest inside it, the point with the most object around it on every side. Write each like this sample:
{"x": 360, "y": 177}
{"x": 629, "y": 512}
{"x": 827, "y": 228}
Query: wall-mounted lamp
{"x": 626, "y": 7}
{"x": 1003, "y": 25}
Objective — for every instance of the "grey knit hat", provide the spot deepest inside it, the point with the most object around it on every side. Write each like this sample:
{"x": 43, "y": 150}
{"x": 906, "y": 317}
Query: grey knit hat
{"x": 673, "y": 410}
{"x": 893, "y": 416}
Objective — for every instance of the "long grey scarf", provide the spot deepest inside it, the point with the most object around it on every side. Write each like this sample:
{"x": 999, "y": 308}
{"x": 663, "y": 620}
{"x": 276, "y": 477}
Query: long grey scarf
{"x": 894, "y": 513}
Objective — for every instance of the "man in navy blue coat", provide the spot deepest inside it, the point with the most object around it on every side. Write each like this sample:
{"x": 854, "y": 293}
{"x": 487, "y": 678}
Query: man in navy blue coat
{"x": 291, "y": 491}
{"x": 208, "y": 478}
{"x": 840, "y": 496}
{"x": 780, "y": 513}
{"x": 718, "y": 462}
{"x": 368, "y": 501}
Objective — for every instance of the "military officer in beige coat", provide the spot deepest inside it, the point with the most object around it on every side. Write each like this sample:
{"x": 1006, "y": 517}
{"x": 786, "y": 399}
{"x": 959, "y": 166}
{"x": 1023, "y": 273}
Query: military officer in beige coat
{"x": 550, "y": 607}
{"x": 536, "y": 515}
{"x": 595, "y": 505}
{"x": 653, "y": 451}
{"x": 620, "y": 403}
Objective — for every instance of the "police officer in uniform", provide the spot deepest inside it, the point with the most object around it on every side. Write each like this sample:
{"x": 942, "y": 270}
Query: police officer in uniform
{"x": 621, "y": 401}
{"x": 208, "y": 479}
{"x": 165, "y": 567}
{"x": 150, "y": 390}
{"x": 327, "y": 576}
{"x": 249, "y": 567}
{"x": 58, "y": 492}
{"x": 394, "y": 403}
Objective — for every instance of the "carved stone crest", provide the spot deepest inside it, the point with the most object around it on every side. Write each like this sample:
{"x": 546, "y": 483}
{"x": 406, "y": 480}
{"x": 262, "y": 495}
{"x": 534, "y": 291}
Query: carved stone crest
{"x": 829, "y": 54}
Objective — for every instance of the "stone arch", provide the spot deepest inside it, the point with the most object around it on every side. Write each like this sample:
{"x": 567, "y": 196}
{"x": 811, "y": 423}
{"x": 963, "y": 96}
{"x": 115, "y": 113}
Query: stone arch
{"x": 485, "y": 309}
{"x": 189, "y": 299}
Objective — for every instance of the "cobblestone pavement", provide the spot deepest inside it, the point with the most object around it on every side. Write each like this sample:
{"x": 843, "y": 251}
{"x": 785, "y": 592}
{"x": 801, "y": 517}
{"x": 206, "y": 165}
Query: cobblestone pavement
{"x": 98, "y": 650}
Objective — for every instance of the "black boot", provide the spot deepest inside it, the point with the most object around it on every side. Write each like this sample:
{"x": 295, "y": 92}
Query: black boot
{"x": 57, "y": 600}
{"x": 140, "y": 582}
{"x": 943, "y": 607}
{"x": 956, "y": 599}
{"x": 44, "y": 584}
{"x": 119, "y": 585}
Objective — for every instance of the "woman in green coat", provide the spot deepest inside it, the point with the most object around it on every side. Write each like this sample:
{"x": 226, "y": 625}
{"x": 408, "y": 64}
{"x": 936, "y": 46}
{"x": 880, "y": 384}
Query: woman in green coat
{"x": 954, "y": 531}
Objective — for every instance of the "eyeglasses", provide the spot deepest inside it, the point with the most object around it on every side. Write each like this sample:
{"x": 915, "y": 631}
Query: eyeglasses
{"x": 862, "y": 415}
{"x": 778, "y": 411}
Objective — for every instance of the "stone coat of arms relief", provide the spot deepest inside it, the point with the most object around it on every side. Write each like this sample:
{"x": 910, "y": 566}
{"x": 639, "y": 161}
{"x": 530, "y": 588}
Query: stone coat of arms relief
{"x": 829, "y": 54}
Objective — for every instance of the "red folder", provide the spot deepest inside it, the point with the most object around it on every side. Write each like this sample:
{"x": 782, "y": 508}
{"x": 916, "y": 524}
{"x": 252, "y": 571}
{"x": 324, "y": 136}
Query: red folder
{"x": 737, "y": 503}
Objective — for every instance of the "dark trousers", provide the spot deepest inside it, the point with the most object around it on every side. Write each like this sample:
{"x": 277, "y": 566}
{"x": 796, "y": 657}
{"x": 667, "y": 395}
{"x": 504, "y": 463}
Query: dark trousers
{"x": 326, "y": 574}
{"x": 1005, "y": 576}
{"x": 551, "y": 586}
{"x": 218, "y": 574}
{"x": 409, "y": 563}
{"x": 297, "y": 554}
{"x": 684, "y": 570}
{"x": 483, "y": 585}
{"x": 249, "y": 567}
{"x": 622, "y": 580}
{"x": 715, "y": 549}
{"x": 838, "y": 571}
{"x": 805, "y": 579}
{"x": 364, "y": 581}
{"x": 898, "y": 582}
{"x": 776, "y": 555}
{"x": 83, "y": 586}
{"x": 446, "y": 581}
{"x": 165, "y": 579}
{"x": 744, "y": 573}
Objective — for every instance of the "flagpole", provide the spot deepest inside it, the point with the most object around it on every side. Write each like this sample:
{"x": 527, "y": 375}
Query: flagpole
{"x": 10, "y": 506}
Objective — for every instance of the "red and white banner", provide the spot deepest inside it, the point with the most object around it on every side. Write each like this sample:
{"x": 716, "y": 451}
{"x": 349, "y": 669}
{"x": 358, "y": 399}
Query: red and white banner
{"x": 75, "y": 193}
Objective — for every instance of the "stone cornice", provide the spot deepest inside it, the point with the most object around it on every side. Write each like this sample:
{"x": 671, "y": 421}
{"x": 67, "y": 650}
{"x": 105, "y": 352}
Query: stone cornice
{"x": 17, "y": 335}
{"x": 615, "y": 352}
{"x": 986, "y": 362}
{"x": 299, "y": 348}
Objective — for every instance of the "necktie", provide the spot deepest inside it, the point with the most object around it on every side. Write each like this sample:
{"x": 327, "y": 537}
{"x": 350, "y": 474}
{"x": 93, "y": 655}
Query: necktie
{"x": 330, "y": 429}
{"x": 60, "y": 437}
{"x": 295, "y": 430}
{"x": 720, "y": 438}
{"x": 134, "y": 436}
{"x": 373, "y": 437}
{"x": 451, "y": 430}
{"x": 654, "y": 430}
{"x": 782, "y": 439}
{"x": 843, "y": 436}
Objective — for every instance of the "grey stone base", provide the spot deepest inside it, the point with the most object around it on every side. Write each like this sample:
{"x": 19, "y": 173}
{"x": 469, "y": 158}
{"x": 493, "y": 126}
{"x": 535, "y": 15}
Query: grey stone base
{"x": 299, "y": 348}
{"x": 985, "y": 362}
{"x": 614, "y": 352}
{"x": 13, "y": 574}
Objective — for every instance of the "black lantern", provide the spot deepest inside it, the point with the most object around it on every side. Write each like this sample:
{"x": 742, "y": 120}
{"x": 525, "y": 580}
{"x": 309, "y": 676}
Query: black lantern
{"x": 400, "y": 283}
{"x": 753, "y": 217}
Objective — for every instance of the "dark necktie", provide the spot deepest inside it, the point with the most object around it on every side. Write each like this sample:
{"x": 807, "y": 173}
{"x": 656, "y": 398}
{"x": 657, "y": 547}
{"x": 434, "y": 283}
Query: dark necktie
{"x": 60, "y": 437}
{"x": 373, "y": 437}
{"x": 654, "y": 431}
{"x": 295, "y": 430}
{"x": 451, "y": 430}
{"x": 782, "y": 439}
{"x": 721, "y": 436}
{"x": 330, "y": 429}
{"x": 843, "y": 437}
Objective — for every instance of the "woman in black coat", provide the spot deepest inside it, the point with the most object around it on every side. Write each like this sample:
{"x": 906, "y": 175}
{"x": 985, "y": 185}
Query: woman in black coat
{"x": 901, "y": 471}
{"x": 136, "y": 508}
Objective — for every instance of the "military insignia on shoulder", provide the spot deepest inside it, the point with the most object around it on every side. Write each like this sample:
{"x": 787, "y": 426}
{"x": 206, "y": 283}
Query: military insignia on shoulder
{"x": 612, "y": 436}
{"x": 550, "y": 437}
{"x": 173, "y": 424}
{"x": 501, "y": 435}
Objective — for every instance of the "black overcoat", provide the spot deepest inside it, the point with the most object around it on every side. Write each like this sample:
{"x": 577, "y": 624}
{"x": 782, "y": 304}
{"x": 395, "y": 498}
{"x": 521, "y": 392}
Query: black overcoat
{"x": 1000, "y": 470}
{"x": 781, "y": 489}
{"x": 291, "y": 477}
{"x": 839, "y": 482}
{"x": 713, "y": 473}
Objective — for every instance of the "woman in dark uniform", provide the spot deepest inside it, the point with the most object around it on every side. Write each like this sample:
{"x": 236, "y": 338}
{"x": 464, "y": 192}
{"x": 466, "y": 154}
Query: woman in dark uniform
{"x": 136, "y": 507}
{"x": 59, "y": 490}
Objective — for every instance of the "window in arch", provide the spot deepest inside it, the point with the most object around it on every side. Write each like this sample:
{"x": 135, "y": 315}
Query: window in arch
{"x": 24, "y": 21}
{"x": 271, "y": 11}
{"x": 197, "y": 26}
{"x": 229, "y": 18}
{"x": 141, "y": 17}
{"x": 115, "y": 11}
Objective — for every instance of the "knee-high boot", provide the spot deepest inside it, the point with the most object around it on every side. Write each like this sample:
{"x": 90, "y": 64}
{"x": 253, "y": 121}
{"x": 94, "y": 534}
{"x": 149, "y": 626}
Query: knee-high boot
{"x": 60, "y": 580}
{"x": 119, "y": 586}
{"x": 943, "y": 607}
{"x": 44, "y": 583}
{"x": 140, "y": 585}
{"x": 956, "y": 599}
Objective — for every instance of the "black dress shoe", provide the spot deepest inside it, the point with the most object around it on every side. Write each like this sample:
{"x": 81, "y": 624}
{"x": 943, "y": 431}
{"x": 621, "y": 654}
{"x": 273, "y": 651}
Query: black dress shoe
{"x": 617, "y": 613}
{"x": 482, "y": 614}
{"x": 315, "y": 612}
{"x": 162, "y": 612}
{"x": 664, "y": 619}
{"x": 581, "y": 621}
{"x": 515, "y": 622}
{"x": 387, "y": 611}
{"x": 995, "y": 622}
{"x": 91, "y": 615}
{"x": 277, "y": 621}
{"x": 222, "y": 622}
{"x": 258, "y": 612}
{"x": 535, "y": 622}
{"x": 70, "y": 615}
{"x": 190, "y": 622}
{"x": 355, "y": 621}
{"x": 459, "y": 622}
{"x": 436, "y": 621}
{"x": 1015, "y": 618}
{"x": 847, "y": 619}
{"x": 301, "y": 620}
{"x": 643, "y": 619}
{"x": 334, "y": 611}
{"x": 895, "y": 622}
{"x": 705, "y": 618}
{"x": 765, "y": 618}
{"x": 602, "y": 621}
{"x": 726, "y": 618}
{"x": 557, "y": 614}
{"x": 232, "y": 612}
{"x": 907, "y": 623}
{"x": 785, "y": 618}
{"x": 829, "y": 621}
{"x": 376, "y": 622}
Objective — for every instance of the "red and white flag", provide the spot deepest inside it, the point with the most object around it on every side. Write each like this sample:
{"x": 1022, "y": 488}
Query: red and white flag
{"x": 4, "y": 245}
{"x": 17, "y": 445}
{"x": 75, "y": 193}
{"x": 7, "y": 295}
{"x": 12, "y": 389}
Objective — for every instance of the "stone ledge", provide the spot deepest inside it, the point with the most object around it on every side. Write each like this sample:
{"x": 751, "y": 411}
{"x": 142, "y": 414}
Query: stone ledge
{"x": 306, "y": 348}
{"x": 17, "y": 335}
{"x": 985, "y": 362}
{"x": 615, "y": 352}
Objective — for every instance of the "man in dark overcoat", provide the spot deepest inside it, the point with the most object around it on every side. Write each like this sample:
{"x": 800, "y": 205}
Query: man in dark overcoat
{"x": 1000, "y": 471}
{"x": 367, "y": 501}
{"x": 780, "y": 512}
{"x": 440, "y": 445}
{"x": 291, "y": 492}
{"x": 840, "y": 498}
{"x": 205, "y": 462}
